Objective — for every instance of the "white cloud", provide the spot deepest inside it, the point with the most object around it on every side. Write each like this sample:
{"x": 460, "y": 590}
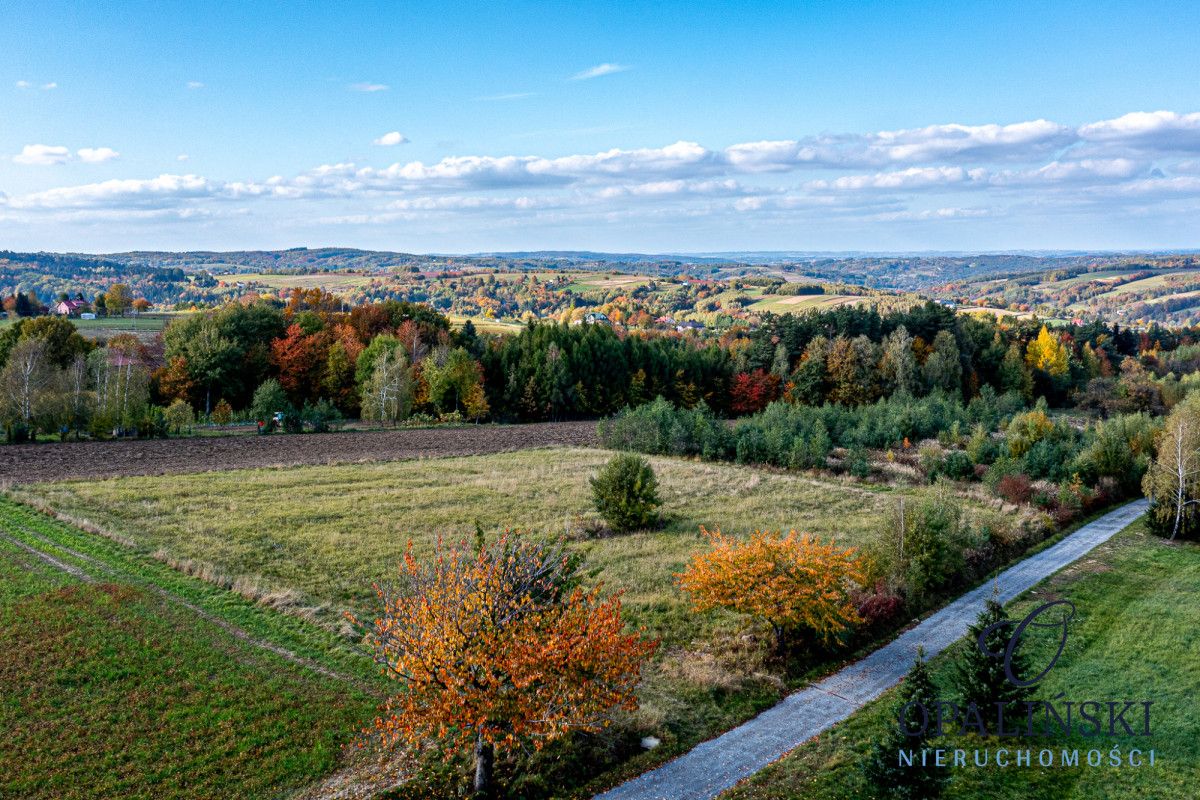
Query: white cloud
{"x": 195, "y": 85}
{"x": 926, "y": 214}
{"x": 1083, "y": 170}
{"x": 23, "y": 85}
{"x": 1136, "y": 163}
{"x": 1023, "y": 140}
{"x": 907, "y": 179}
{"x": 47, "y": 155}
{"x": 48, "y": 86}
{"x": 1157, "y": 130}
{"x": 681, "y": 159}
{"x": 976, "y": 141}
{"x": 96, "y": 155}
{"x": 391, "y": 139}
{"x": 43, "y": 155}
{"x": 776, "y": 156}
{"x": 154, "y": 192}
{"x": 182, "y": 157}
{"x": 1182, "y": 185}
{"x": 598, "y": 70}
{"x": 368, "y": 87}
{"x": 674, "y": 188}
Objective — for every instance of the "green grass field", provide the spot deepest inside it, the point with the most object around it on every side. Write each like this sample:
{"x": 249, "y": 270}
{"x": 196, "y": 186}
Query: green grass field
{"x": 590, "y": 281}
{"x": 485, "y": 325}
{"x": 1135, "y": 637}
{"x": 112, "y": 689}
{"x": 321, "y": 535}
{"x": 783, "y": 304}
{"x": 330, "y": 531}
{"x": 335, "y": 282}
{"x": 105, "y": 327}
{"x": 1153, "y": 282}
{"x": 1103, "y": 276}
{"x": 143, "y": 326}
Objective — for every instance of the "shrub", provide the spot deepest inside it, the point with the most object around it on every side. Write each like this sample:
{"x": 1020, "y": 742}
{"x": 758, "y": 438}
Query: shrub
{"x": 322, "y": 416}
{"x": 930, "y": 456}
{"x": 793, "y": 582}
{"x": 1026, "y": 430}
{"x": 957, "y": 465}
{"x": 981, "y": 447}
{"x": 17, "y": 433}
{"x": 857, "y": 462}
{"x": 1119, "y": 453}
{"x": 626, "y": 493}
{"x": 935, "y": 538}
{"x": 999, "y": 469}
{"x": 292, "y": 421}
{"x": 269, "y": 398}
{"x": 879, "y": 607}
{"x": 1015, "y": 488}
{"x": 180, "y": 415}
{"x": 222, "y": 413}
{"x": 660, "y": 428}
{"x": 152, "y": 423}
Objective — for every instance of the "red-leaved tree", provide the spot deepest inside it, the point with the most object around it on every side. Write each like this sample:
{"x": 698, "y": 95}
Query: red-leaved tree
{"x": 751, "y": 392}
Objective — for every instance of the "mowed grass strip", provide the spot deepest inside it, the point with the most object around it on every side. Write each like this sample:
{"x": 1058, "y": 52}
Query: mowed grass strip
{"x": 109, "y": 691}
{"x": 331, "y": 531}
{"x": 1135, "y": 637}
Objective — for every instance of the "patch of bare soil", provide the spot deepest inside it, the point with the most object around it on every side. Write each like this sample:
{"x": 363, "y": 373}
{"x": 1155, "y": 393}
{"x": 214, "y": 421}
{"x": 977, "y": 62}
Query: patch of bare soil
{"x": 36, "y": 463}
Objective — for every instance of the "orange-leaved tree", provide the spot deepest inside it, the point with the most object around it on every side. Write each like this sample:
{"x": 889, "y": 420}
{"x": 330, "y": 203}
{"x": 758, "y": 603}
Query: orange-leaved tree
{"x": 794, "y": 582}
{"x": 500, "y": 645}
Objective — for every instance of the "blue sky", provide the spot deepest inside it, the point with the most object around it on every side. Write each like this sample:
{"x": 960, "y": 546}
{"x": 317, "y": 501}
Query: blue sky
{"x": 617, "y": 126}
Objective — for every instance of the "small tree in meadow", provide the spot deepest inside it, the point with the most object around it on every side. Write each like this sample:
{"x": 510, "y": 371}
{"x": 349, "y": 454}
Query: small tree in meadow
{"x": 180, "y": 416}
{"x": 981, "y": 678}
{"x": 932, "y": 539}
{"x": 626, "y": 493}
{"x": 497, "y": 647}
{"x": 269, "y": 398}
{"x": 794, "y": 582}
{"x": 222, "y": 413}
{"x": 907, "y": 731}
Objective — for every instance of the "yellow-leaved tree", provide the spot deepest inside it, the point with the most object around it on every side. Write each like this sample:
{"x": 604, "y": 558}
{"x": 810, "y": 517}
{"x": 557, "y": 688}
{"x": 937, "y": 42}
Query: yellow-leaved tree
{"x": 793, "y": 582}
{"x": 498, "y": 646}
{"x": 1048, "y": 354}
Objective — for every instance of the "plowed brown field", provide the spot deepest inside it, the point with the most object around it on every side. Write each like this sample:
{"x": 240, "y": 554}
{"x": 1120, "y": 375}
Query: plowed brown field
{"x": 52, "y": 462}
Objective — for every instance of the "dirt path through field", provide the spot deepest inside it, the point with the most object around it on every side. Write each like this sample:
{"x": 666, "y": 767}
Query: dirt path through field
{"x": 53, "y": 462}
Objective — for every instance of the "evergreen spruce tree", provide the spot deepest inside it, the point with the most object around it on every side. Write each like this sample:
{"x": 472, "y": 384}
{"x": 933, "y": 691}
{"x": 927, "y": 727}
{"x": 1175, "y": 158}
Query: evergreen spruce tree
{"x": 981, "y": 678}
{"x": 883, "y": 770}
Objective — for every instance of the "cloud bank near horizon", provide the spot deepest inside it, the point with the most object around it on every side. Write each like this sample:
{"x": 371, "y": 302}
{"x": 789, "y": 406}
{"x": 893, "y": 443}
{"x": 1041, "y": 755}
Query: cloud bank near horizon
{"x": 1133, "y": 166}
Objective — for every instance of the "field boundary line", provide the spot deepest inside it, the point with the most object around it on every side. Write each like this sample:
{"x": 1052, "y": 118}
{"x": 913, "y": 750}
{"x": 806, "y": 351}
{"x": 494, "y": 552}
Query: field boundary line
{"x": 718, "y": 764}
{"x": 74, "y": 572}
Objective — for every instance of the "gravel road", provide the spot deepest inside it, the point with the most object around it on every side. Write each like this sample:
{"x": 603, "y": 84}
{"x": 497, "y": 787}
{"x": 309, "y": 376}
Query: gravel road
{"x": 718, "y": 764}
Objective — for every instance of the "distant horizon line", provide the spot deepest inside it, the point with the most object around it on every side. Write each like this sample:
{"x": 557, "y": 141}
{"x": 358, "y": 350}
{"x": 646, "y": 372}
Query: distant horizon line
{"x": 555, "y": 252}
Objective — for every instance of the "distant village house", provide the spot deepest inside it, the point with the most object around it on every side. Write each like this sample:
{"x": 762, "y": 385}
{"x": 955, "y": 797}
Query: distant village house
{"x": 69, "y": 308}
